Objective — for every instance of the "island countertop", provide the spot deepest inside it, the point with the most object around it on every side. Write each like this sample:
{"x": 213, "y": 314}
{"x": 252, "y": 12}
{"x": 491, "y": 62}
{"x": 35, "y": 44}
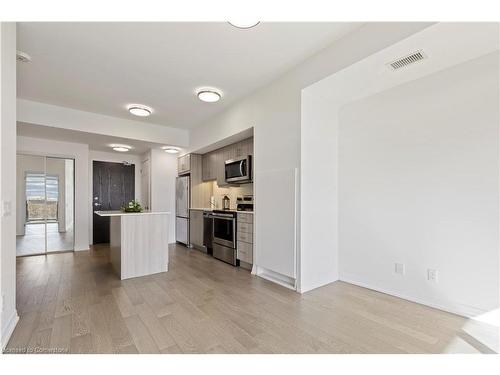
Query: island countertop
{"x": 121, "y": 213}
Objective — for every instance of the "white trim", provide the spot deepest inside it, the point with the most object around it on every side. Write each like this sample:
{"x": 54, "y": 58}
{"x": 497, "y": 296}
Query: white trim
{"x": 276, "y": 278}
{"x": 82, "y": 249}
{"x": 453, "y": 307}
{"x": 9, "y": 329}
{"x": 319, "y": 284}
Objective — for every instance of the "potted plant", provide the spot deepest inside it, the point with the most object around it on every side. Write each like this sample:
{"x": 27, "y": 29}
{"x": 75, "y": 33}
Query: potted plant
{"x": 132, "y": 206}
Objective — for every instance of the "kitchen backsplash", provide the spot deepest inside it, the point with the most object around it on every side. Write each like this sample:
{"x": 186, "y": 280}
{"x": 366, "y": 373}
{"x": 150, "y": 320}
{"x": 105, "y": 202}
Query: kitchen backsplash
{"x": 232, "y": 192}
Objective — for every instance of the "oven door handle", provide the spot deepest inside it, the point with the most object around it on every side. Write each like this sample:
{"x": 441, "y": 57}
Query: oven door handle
{"x": 223, "y": 217}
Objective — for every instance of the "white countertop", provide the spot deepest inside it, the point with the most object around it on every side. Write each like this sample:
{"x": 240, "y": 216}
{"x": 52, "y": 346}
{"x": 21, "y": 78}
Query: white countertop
{"x": 121, "y": 213}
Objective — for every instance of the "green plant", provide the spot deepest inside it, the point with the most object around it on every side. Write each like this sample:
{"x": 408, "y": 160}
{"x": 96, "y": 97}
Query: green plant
{"x": 132, "y": 206}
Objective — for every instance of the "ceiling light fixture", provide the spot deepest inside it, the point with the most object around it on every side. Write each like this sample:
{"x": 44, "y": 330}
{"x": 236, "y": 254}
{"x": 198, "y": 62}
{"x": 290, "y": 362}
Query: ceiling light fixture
{"x": 244, "y": 24}
{"x": 140, "y": 110}
{"x": 209, "y": 95}
{"x": 23, "y": 57}
{"x": 120, "y": 148}
{"x": 171, "y": 150}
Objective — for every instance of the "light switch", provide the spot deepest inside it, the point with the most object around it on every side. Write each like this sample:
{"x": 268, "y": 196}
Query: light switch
{"x": 6, "y": 208}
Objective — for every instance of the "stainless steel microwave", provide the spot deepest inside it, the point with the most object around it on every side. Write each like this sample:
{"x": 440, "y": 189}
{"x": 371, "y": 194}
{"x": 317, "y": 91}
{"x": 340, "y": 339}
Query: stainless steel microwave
{"x": 239, "y": 170}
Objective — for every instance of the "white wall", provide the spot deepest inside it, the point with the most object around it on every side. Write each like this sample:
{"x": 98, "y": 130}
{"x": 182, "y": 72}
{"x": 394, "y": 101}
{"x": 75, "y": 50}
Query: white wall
{"x": 8, "y": 314}
{"x": 418, "y": 173}
{"x": 112, "y": 157}
{"x": 79, "y": 152}
{"x": 163, "y": 175}
{"x": 446, "y": 45}
{"x": 275, "y": 114}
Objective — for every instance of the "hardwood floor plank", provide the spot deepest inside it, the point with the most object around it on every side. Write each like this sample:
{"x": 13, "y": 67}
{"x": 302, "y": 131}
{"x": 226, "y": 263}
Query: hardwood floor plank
{"x": 74, "y": 302}
{"x": 81, "y": 344}
{"x": 141, "y": 336}
{"x": 40, "y": 341}
{"x": 119, "y": 334}
{"x": 60, "y": 340}
{"x": 182, "y": 338}
{"x": 160, "y": 335}
{"x": 124, "y": 304}
{"x": 101, "y": 338}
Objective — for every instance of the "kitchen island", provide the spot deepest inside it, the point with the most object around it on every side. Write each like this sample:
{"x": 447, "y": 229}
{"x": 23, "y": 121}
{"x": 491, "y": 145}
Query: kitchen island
{"x": 138, "y": 242}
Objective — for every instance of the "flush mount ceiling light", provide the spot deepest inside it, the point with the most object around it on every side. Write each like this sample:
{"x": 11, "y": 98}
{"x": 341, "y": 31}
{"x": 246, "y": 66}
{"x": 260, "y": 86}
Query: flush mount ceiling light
{"x": 140, "y": 110}
{"x": 242, "y": 24}
{"x": 120, "y": 148}
{"x": 209, "y": 95}
{"x": 171, "y": 150}
{"x": 22, "y": 57}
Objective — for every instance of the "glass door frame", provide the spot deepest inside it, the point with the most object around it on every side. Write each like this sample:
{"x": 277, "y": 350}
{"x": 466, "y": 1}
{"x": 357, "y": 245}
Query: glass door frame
{"x": 45, "y": 157}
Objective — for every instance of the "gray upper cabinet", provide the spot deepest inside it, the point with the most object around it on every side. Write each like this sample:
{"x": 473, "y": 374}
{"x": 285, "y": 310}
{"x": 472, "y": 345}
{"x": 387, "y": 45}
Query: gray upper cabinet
{"x": 206, "y": 168}
{"x": 213, "y": 162}
{"x": 220, "y": 167}
{"x": 249, "y": 146}
{"x": 241, "y": 149}
{"x": 210, "y": 166}
{"x": 184, "y": 164}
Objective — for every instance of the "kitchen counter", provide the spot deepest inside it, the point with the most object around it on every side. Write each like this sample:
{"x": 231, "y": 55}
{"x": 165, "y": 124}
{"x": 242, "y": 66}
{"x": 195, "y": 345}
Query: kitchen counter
{"x": 138, "y": 242}
{"x": 121, "y": 213}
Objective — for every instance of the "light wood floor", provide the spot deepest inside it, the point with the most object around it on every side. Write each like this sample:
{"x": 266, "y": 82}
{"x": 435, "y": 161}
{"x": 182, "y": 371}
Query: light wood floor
{"x": 75, "y": 303}
{"x": 33, "y": 241}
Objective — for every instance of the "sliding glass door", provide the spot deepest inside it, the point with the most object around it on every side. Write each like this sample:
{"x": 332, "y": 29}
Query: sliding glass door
{"x": 45, "y": 204}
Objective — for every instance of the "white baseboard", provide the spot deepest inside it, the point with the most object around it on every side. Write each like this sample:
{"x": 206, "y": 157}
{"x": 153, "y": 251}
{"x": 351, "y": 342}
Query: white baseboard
{"x": 276, "y": 278}
{"x": 454, "y": 308}
{"x": 318, "y": 284}
{"x": 7, "y": 332}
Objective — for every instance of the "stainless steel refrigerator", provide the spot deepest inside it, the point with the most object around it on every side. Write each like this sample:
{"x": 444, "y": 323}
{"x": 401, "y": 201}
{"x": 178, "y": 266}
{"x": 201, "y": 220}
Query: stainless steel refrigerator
{"x": 182, "y": 194}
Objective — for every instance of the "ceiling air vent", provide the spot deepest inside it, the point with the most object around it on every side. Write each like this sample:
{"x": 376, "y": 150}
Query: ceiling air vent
{"x": 407, "y": 60}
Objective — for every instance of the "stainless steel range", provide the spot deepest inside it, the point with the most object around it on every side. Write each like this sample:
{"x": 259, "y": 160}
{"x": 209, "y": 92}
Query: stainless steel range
{"x": 224, "y": 239}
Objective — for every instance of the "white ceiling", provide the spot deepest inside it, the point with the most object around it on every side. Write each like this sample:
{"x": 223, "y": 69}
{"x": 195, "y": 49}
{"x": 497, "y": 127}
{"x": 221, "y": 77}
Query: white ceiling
{"x": 100, "y": 142}
{"x": 102, "y": 67}
{"x": 97, "y": 142}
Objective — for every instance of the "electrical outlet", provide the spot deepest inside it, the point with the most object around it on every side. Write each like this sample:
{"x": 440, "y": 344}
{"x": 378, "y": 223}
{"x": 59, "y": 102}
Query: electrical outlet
{"x": 432, "y": 275}
{"x": 399, "y": 268}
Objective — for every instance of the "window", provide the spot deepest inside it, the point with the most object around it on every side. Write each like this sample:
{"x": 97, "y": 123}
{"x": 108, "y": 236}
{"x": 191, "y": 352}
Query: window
{"x": 37, "y": 185}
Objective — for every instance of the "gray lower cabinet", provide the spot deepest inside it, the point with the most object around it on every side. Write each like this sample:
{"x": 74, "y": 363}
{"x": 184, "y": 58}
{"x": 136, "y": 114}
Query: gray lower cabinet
{"x": 244, "y": 236}
{"x": 196, "y": 228}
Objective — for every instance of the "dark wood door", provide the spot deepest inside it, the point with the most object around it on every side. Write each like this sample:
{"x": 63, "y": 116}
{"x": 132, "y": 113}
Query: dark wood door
{"x": 113, "y": 186}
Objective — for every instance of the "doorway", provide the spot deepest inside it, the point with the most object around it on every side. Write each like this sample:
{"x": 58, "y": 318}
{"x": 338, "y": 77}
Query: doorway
{"x": 45, "y": 205}
{"x": 113, "y": 185}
